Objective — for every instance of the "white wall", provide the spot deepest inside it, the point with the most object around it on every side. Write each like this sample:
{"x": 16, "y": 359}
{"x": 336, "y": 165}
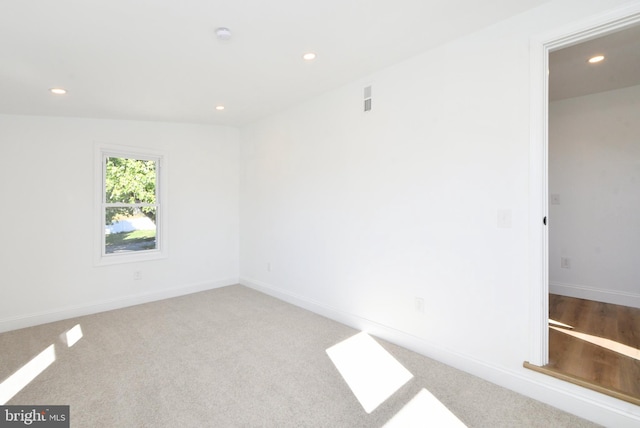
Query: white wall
{"x": 594, "y": 169}
{"x": 48, "y": 218}
{"x": 359, "y": 213}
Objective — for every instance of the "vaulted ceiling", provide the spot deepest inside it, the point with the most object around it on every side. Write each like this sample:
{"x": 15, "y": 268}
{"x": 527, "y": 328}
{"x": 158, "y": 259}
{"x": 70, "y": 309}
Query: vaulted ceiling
{"x": 160, "y": 59}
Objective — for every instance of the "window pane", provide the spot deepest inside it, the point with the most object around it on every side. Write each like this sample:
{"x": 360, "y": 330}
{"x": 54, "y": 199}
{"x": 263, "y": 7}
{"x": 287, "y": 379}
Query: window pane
{"x": 130, "y": 229}
{"x": 130, "y": 181}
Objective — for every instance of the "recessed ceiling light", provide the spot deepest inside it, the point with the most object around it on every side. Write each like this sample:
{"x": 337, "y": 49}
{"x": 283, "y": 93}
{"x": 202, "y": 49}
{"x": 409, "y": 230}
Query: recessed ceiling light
{"x": 595, "y": 59}
{"x": 58, "y": 91}
{"x": 219, "y": 108}
{"x": 309, "y": 56}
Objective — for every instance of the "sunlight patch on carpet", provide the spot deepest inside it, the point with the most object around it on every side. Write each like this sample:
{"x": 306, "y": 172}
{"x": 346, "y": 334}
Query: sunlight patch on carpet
{"x": 371, "y": 372}
{"x": 72, "y": 335}
{"x": 24, "y": 375}
{"x": 424, "y": 410}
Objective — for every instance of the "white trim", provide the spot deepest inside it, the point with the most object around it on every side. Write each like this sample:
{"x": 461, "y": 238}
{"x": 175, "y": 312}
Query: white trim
{"x": 588, "y": 404}
{"x": 594, "y": 293}
{"x": 162, "y": 221}
{"x": 538, "y": 176}
{"x": 538, "y": 231}
{"x": 14, "y": 323}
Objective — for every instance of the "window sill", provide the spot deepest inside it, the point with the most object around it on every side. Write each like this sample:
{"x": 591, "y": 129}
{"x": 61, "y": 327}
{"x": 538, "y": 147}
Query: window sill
{"x": 120, "y": 258}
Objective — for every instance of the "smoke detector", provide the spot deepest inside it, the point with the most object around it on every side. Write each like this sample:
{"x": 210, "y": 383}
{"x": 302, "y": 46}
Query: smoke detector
{"x": 223, "y": 34}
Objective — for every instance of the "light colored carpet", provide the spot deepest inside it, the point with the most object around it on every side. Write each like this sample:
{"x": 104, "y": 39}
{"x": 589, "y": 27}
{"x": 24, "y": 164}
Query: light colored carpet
{"x": 234, "y": 357}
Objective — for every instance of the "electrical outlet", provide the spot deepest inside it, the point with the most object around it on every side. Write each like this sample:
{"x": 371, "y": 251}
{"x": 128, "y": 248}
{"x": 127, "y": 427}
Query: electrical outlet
{"x": 137, "y": 275}
{"x": 565, "y": 263}
{"x": 555, "y": 199}
{"x": 269, "y": 267}
{"x": 419, "y": 304}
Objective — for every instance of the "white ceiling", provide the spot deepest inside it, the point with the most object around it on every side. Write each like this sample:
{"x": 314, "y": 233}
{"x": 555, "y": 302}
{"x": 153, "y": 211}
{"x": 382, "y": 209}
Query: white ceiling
{"x": 570, "y": 75}
{"x": 159, "y": 59}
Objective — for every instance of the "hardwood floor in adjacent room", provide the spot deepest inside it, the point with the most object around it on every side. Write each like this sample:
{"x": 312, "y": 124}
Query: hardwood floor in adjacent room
{"x": 595, "y": 343}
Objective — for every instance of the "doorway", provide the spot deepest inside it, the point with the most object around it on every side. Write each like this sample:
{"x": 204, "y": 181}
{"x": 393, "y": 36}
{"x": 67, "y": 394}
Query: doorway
{"x": 594, "y": 198}
{"x": 545, "y": 198}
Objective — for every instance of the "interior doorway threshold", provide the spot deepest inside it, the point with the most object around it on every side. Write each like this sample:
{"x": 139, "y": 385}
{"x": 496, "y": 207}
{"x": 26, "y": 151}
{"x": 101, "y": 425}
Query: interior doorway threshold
{"x": 583, "y": 382}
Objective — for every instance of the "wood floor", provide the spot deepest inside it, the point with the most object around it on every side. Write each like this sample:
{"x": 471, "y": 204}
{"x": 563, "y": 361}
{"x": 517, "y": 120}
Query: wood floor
{"x": 577, "y": 350}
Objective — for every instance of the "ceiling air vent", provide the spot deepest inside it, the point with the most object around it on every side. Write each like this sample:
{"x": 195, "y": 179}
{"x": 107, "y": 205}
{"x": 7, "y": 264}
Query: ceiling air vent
{"x": 367, "y": 98}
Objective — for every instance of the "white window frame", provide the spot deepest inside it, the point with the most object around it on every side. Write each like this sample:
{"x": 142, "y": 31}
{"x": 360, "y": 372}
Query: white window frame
{"x": 102, "y": 152}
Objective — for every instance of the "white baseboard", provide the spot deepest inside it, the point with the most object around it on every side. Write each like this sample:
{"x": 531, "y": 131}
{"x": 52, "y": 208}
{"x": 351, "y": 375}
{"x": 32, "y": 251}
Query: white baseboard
{"x": 58, "y": 314}
{"x": 585, "y": 403}
{"x": 597, "y": 294}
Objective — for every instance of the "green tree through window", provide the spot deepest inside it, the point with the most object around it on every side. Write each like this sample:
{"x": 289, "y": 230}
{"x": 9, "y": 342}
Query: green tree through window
{"x": 130, "y": 202}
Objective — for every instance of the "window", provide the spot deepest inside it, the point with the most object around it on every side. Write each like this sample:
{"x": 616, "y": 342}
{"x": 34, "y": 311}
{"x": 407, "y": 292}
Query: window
{"x": 131, "y": 206}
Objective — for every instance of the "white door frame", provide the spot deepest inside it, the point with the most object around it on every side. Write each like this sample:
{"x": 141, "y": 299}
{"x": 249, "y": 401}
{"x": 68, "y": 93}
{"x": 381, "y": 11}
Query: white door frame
{"x": 538, "y": 168}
